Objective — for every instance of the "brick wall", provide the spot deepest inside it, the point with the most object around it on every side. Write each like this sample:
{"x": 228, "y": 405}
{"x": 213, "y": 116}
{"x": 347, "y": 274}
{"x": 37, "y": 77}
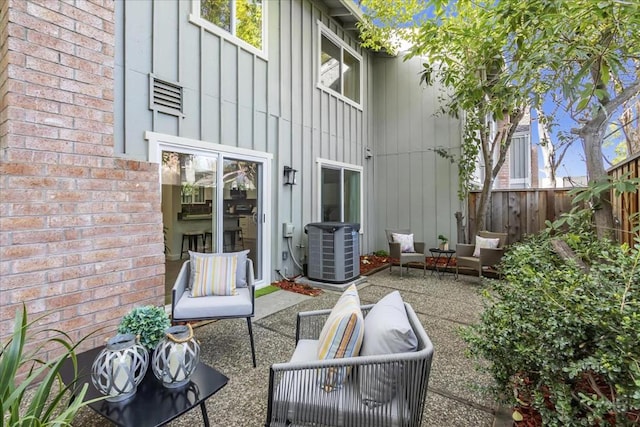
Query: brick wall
{"x": 80, "y": 229}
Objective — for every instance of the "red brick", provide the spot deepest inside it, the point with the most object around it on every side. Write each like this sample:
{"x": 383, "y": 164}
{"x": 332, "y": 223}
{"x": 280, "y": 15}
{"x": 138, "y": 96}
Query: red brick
{"x": 89, "y": 307}
{"x": 16, "y": 281}
{"x": 68, "y": 196}
{"x": 33, "y": 50}
{"x": 31, "y": 129}
{"x": 37, "y": 264}
{"x": 82, "y": 112}
{"x": 54, "y": 43}
{"x": 111, "y": 219}
{"x": 94, "y": 150}
{"x": 78, "y": 87}
{"x": 21, "y": 223}
{"x": 94, "y": 56}
{"x": 63, "y": 221}
{"x": 35, "y": 208}
{"x": 155, "y": 260}
{"x": 68, "y": 171}
{"x": 138, "y": 297}
{"x": 70, "y": 246}
{"x": 113, "y": 314}
{"x": 142, "y": 273}
{"x": 121, "y": 265}
{"x": 67, "y": 300}
{"x": 49, "y": 144}
{"x": 77, "y": 160}
{"x": 98, "y": 256}
{"x": 28, "y": 182}
{"x": 80, "y": 64}
{"x": 99, "y": 104}
{"x": 25, "y": 294}
{"x": 49, "y": 15}
{"x": 54, "y": 94}
{"x": 35, "y": 25}
{"x": 39, "y": 236}
{"x": 69, "y": 273}
{"x": 100, "y": 185}
{"x": 19, "y": 250}
{"x": 93, "y": 126}
{"x": 104, "y": 280}
{"x": 81, "y": 16}
{"x": 47, "y": 67}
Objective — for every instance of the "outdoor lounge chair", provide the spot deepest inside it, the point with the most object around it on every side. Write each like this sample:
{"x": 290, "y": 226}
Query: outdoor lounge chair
{"x": 395, "y": 251}
{"x": 488, "y": 257}
{"x": 185, "y": 308}
{"x": 296, "y": 397}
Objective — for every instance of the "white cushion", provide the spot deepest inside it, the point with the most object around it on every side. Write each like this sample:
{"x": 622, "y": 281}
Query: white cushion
{"x": 405, "y": 240}
{"x": 341, "y": 336}
{"x": 188, "y": 307}
{"x": 387, "y": 331}
{"x": 484, "y": 243}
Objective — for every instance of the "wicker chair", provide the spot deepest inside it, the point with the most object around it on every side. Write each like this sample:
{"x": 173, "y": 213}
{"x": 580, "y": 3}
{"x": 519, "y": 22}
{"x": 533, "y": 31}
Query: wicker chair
{"x": 488, "y": 257}
{"x": 406, "y": 257}
{"x": 297, "y": 399}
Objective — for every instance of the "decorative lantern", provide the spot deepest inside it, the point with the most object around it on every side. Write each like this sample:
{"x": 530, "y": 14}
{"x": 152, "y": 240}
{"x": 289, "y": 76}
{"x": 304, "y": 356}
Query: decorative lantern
{"x": 120, "y": 367}
{"x": 176, "y": 356}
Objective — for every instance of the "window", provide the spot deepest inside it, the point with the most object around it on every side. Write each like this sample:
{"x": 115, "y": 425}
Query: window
{"x": 340, "y": 70}
{"x": 340, "y": 192}
{"x": 519, "y": 161}
{"x": 243, "y": 19}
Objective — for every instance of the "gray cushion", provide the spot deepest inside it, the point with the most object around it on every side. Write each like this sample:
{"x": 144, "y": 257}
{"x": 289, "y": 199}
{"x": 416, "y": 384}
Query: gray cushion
{"x": 213, "y": 306}
{"x": 386, "y": 331}
{"x": 241, "y": 271}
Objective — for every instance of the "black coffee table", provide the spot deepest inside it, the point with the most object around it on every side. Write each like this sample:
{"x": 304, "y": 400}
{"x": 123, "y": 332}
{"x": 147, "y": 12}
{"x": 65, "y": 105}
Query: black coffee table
{"x": 153, "y": 404}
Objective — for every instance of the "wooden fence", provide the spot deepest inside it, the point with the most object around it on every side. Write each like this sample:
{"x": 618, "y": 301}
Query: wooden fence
{"x": 627, "y": 206}
{"x": 520, "y": 212}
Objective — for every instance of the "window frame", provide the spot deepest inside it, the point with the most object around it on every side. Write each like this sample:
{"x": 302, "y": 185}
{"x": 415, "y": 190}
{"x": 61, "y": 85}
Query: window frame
{"x": 331, "y": 164}
{"x": 196, "y": 19}
{"x": 323, "y": 30}
{"x": 526, "y": 146}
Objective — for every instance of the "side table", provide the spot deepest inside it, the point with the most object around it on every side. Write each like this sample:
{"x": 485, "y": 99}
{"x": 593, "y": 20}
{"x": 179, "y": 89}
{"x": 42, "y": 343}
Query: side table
{"x": 444, "y": 254}
{"x": 153, "y": 404}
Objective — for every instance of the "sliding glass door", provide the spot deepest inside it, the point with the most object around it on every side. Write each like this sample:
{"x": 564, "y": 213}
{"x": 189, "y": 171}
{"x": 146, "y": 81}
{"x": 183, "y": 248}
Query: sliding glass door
{"x": 212, "y": 202}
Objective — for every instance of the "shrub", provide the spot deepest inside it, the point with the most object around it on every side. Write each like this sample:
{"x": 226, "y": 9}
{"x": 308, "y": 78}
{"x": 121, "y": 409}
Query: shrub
{"x": 563, "y": 340}
{"x": 49, "y": 401}
{"x": 148, "y": 322}
{"x": 381, "y": 252}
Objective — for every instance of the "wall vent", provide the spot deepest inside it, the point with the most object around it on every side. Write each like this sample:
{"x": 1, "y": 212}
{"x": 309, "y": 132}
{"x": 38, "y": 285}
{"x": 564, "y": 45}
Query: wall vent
{"x": 165, "y": 97}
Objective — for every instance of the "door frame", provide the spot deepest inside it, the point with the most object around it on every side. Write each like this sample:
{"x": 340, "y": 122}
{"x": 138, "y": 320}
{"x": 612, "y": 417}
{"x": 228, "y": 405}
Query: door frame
{"x": 159, "y": 142}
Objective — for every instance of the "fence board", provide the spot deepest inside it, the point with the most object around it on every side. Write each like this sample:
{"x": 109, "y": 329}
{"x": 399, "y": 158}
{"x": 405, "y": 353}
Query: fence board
{"x": 520, "y": 212}
{"x": 625, "y": 207}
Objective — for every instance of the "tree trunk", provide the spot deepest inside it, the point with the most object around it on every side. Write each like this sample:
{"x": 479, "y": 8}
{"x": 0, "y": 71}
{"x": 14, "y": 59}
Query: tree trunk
{"x": 483, "y": 204}
{"x": 592, "y": 135}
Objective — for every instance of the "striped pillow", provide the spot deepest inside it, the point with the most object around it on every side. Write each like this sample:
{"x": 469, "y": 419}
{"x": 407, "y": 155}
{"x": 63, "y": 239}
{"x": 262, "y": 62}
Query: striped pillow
{"x": 213, "y": 275}
{"x": 341, "y": 336}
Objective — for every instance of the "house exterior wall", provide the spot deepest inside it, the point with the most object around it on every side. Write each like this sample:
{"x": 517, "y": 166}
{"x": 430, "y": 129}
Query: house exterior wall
{"x": 80, "y": 227}
{"x": 414, "y": 187}
{"x": 235, "y": 97}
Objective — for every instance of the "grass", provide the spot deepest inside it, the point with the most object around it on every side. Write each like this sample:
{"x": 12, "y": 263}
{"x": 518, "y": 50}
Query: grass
{"x": 266, "y": 290}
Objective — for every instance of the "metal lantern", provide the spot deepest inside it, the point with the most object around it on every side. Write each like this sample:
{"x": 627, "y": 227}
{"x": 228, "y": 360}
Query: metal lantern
{"x": 120, "y": 367}
{"x": 176, "y": 356}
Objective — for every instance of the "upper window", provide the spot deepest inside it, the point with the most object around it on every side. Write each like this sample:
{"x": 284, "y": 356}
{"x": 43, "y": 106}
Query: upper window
{"x": 243, "y": 19}
{"x": 340, "y": 69}
{"x": 519, "y": 161}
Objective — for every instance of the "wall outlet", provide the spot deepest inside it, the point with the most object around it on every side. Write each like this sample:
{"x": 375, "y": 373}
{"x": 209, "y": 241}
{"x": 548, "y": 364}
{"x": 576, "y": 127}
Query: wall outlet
{"x": 287, "y": 229}
{"x": 285, "y": 255}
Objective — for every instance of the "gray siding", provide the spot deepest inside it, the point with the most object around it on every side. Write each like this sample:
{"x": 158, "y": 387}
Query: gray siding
{"x": 414, "y": 187}
{"x": 237, "y": 98}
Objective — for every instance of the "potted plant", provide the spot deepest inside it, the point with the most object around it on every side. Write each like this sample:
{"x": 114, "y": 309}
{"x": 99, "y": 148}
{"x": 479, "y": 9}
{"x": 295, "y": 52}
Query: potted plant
{"x": 49, "y": 401}
{"x": 444, "y": 242}
{"x": 148, "y": 323}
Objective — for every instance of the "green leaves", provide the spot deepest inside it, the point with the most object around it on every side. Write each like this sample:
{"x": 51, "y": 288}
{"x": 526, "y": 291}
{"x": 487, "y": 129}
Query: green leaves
{"x": 557, "y": 334}
{"x": 48, "y": 402}
{"x": 148, "y": 322}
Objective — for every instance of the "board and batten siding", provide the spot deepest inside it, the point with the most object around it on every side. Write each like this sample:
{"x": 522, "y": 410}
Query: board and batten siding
{"x": 415, "y": 188}
{"x": 233, "y": 96}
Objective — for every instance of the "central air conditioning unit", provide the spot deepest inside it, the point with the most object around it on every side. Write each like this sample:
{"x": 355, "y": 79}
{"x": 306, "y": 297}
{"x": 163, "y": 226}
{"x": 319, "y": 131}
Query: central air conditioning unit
{"x": 334, "y": 251}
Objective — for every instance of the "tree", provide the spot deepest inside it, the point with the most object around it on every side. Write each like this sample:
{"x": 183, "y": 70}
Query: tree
{"x": 588, "y": 51}
{"x": 471, "y": 69}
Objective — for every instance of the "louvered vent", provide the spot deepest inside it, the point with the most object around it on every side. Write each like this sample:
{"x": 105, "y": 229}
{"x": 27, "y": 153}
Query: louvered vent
{"x": 165, "y": 97}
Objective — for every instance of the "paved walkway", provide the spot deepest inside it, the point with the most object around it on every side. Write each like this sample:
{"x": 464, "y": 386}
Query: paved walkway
{"x": 443, "y": 306}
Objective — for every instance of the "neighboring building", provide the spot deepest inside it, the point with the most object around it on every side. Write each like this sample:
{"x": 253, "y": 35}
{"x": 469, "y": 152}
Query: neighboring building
{"x": 520, "y": 168}
{"x": 125, "y": 125}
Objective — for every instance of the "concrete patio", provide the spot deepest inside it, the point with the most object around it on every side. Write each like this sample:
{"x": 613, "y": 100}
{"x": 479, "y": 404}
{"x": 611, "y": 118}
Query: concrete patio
{"x": 443, "y": 305}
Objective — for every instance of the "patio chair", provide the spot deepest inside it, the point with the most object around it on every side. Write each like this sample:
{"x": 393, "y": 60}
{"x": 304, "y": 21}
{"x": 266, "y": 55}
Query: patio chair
{"x": 297, "y": 396}
{"x": 467, "y": 256}
{"x": 185, "y": 308}
{"x": 404, "y": 258}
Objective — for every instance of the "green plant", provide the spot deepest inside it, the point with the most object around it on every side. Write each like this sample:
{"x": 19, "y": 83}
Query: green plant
{"x": 443, "y": 239}
{"x": 148, "y": 322}
{"x": 49, "y": 400}
{"x": 381, "y": 252}
{"x": 561, "y": 338}
{"x": 266, "y": 290}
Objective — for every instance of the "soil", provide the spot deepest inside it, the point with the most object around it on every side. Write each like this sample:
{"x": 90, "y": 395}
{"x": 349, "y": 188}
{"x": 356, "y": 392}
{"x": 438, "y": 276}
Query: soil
{"x": 369, "y": 264}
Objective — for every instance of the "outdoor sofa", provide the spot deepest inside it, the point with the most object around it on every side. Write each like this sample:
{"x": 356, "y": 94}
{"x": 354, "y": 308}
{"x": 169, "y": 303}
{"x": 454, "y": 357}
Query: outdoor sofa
{"x": 379, "y": 390}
